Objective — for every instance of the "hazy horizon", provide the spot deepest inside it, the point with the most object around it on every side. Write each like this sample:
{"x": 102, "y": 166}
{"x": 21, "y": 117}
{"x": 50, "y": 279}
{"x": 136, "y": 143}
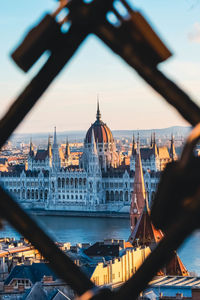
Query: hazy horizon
{"x": 113, "y": 130}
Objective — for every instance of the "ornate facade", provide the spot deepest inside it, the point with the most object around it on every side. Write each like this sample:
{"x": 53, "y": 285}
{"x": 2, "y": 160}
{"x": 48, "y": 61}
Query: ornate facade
{"x": 99, "y": 183}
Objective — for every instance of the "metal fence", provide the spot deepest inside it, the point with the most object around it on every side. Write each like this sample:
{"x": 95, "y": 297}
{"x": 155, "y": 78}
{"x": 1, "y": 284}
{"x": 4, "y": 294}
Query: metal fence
{"x": 133, "y": 39}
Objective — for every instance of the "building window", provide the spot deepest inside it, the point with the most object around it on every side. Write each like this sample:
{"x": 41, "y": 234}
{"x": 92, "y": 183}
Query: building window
{"x": 63, "y": 182}
{"x": 76, "y": 182}
{"x": 59, "y": 182}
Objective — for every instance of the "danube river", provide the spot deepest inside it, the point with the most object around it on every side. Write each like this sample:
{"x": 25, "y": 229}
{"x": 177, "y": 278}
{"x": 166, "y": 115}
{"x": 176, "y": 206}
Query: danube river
{"x": 79, "y": 229}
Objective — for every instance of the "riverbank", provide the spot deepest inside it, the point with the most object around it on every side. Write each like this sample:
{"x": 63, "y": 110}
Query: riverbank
{"x": 87, "y": 214}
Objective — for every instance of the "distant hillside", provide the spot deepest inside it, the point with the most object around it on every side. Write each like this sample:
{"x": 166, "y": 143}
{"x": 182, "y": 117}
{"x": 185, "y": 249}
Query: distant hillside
{"x": 177, "y": 131}
{"x": 78, "y": 136}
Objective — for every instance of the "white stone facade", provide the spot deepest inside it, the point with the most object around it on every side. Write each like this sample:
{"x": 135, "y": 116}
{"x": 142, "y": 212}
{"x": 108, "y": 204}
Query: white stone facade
{"x": 98, "y": 184}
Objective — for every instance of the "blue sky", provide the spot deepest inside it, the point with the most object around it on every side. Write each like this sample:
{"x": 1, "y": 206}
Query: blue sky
{"x": 126, "y": 102}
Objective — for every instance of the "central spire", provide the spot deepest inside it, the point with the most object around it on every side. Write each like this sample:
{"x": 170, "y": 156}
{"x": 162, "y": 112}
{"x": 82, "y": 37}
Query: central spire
{"x": 98, "y": 111}
{"x": 55, "y": 138}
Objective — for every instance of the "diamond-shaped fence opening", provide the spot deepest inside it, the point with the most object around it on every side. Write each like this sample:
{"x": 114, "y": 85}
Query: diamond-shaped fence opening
{"x": 130, "y": 36}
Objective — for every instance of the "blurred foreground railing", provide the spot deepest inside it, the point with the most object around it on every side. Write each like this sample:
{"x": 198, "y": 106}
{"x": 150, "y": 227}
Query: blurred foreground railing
{"x": 132, "y": 38}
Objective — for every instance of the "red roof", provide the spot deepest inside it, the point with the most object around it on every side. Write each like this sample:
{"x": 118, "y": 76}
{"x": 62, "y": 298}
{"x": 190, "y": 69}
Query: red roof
{"x": 102, "y": 133}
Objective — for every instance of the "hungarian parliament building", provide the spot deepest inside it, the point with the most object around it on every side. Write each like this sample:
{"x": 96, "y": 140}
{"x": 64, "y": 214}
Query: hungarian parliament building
{"x": 100, "y": 183}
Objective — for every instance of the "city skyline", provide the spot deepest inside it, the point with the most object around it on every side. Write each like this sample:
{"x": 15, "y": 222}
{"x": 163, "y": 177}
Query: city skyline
{"x": 126, "y": 102}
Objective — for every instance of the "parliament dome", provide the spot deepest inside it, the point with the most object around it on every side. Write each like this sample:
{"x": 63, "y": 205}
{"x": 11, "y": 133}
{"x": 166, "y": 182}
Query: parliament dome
{"x": 101, "y": 131}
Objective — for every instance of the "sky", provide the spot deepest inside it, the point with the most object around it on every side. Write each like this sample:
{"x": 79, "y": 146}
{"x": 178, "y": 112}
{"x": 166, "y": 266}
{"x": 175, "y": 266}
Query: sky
{"x": 126, "y": 101}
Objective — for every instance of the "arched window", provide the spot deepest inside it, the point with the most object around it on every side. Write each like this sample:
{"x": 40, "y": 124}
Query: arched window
{"x": 36, "y": 194}
{"x": 101, "y": 161}
{"x": 28, "y": 194}
{"x": 59, "y": 182}
{"x": 107, "y": 196}
{"x": 67, "y": 181}
{"x": 80, "y": 181}
{"x": 112, "y": 196}
{"x": 84, "y": 181}
{"x": 76, "y": 182}
{"x": 121, "y": 196}
{"x": 116, "y": 196}
{"x": 45, "y": 194}
{"x": 32, "y": 194}
{"x": 126, "y": 196}
{"x": 63, "y": 182}
{"x": 71, "y": 181}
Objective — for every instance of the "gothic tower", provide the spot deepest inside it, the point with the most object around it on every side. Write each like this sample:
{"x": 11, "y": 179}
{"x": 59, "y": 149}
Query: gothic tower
{"x": 172, "y": 151}
{"x": 139, "y": 193}
{"x": 67, "y": 150}
{"x": 56, "y": 156}
{"x": 143, "y": 232}
{"x": 31, "y": 156}
{"x": 94, "y": 173}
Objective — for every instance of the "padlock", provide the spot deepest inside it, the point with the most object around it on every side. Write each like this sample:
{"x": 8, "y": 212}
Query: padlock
{"x": 142, "y": 37}
{"x": 41, "y": 38}
{"x": 149, "y": 43}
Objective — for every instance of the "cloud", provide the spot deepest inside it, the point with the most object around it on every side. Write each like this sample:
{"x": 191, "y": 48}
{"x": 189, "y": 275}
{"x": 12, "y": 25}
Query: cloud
{"x": 194, "y": 35}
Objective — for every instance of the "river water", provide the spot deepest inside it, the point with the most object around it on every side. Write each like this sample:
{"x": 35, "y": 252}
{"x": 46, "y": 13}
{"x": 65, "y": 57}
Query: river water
{"x": 79, "y": 229}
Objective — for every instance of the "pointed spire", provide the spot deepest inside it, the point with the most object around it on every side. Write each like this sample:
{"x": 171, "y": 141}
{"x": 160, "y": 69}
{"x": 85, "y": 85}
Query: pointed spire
{"x": 138, "y": 143}
{"x": 139, "y": 193}
{"x": 154, "y": 146}
{"x": 151, "y": 144}
{"x": 98, "y": 116}
{"x": 31, "y": 151}
{"x": 93, "y": 143}
{"x": 55, "y": 137}
{"x": 56, "y": 154}
{"x": 138, "y": 186}
{"x": 172, "y": 153}
{"x": 134, "y": 146}
{"x": 67, "y": 149}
